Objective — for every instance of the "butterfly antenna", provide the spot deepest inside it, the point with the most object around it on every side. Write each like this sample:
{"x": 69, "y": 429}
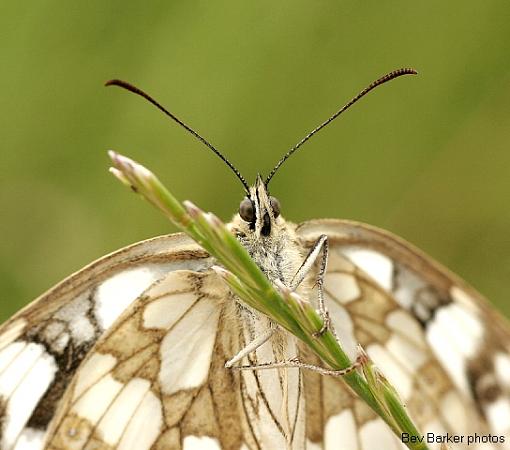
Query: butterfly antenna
{"x": 135, "y": 90}
{"x": 382, "y": 80}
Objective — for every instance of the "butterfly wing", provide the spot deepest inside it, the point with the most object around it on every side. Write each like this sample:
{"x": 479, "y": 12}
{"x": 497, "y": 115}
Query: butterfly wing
{"x": 162, "y": 356}
{"x": 43, "y": 345}
{"x": 438, "y": 341}
{"x": 157, "y": 379}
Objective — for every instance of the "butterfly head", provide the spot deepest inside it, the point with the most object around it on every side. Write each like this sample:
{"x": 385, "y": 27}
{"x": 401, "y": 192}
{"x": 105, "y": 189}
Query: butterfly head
{"x": 258, "y": 212}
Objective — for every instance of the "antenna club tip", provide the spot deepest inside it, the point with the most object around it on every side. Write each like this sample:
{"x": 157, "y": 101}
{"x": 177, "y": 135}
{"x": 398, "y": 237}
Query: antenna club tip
{"x": 408, "y": 71}
{"x": 113, "y": 82}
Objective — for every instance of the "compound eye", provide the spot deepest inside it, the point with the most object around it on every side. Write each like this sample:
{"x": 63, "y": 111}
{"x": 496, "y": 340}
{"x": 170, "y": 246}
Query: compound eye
{"x": 247, "y": 210}
{"x": 275, "y": 206}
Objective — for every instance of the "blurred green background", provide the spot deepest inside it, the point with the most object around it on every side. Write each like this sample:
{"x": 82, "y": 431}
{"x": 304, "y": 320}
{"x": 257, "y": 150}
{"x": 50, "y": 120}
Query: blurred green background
{"x": 426, "y": 157}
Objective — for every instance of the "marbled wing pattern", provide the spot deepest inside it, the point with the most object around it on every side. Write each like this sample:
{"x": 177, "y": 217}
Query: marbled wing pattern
{"x": 157, "y": 379}
{"x": 435, "y": 338}
{"x": 129, "y": 353}
{"x": 42, "y": 347}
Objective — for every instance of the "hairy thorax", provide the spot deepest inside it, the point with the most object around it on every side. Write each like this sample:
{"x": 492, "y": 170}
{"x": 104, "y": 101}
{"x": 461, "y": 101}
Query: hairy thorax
{"x": 278, "y": 255}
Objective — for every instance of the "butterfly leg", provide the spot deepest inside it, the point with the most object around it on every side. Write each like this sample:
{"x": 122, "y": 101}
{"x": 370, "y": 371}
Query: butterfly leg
{"x": 251, "y": 347}
{"x": 295, "y": 362}
{"x": 321, "y": 245}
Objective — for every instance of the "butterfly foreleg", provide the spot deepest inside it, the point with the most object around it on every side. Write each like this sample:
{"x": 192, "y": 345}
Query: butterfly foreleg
{"x": 320, "y": 246}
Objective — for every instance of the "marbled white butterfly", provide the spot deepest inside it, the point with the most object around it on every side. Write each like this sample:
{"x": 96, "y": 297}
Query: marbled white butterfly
{"x": 135, "y": 350}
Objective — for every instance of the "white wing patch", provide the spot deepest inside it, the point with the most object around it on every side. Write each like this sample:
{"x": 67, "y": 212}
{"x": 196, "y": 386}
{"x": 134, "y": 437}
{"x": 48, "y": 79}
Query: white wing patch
{"x": 445, "y": 335}
{"x": 400, "y": 320}
{"x": 113, "y": 424}
{"x": 375, "y": 264}
{"x": 9, "y": 353}
{"x": 200, "y": 443}
{"x": 94, "y": 402}
{"x": 344, "y": 286}
{"x": 139, "y": 432}
{"x": 376, "y": 435}
{"x": 117, "y": 293}
{"x": 186, "y": 350}
{"x": 456, "y": 419}
{"x": 71, "y": 322}
{"x": 30, "y": 439}
{"x": 341, "y": 430}
{"x": 22, "y": 394}
{"x": 344, "y": 325}
{"x": 498, "y": 413}
{"x": 502, "y": 365}
{"x": 93, "y": 370}
{"x": 156, "y": 315}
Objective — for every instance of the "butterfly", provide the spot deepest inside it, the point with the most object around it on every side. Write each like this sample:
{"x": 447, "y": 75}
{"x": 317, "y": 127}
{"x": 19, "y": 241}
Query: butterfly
{"x": 139, "y": 349}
